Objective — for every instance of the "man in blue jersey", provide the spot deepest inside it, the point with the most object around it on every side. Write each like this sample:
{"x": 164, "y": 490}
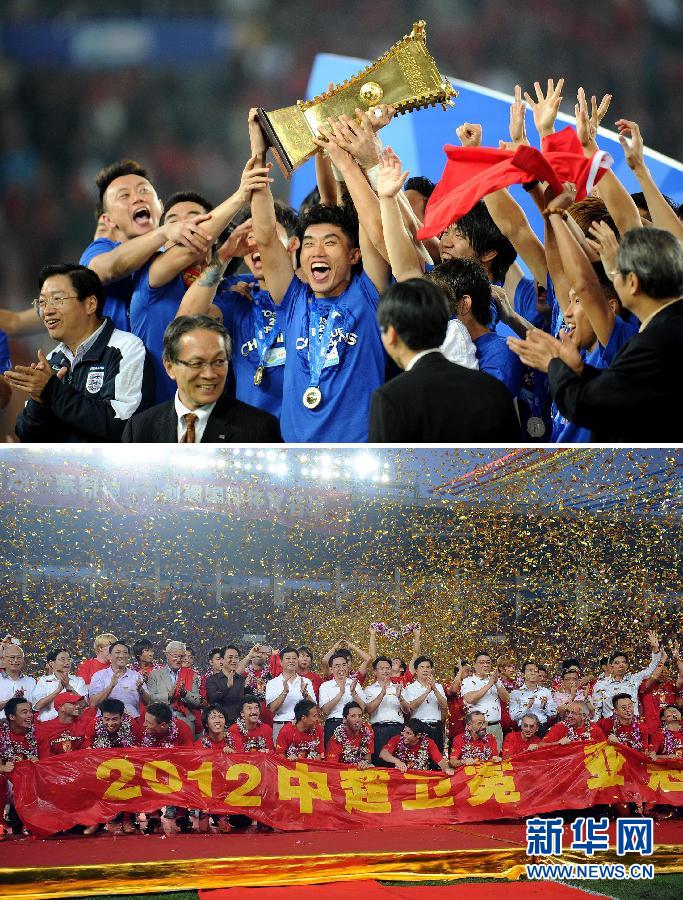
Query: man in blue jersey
{"x": 249, "y": 313}
{"x": 129, "y": 233}
{"x": 160, "y": 284}
{"x": 335, "y": 358}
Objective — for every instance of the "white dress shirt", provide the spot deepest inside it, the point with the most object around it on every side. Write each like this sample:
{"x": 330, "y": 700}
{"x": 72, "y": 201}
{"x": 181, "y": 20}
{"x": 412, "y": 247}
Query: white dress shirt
{"x": 275, "y": 687}
{"x": 520, "y": 698}
{"x": 429, "y": 710}
{"x": 202, "y": 413}
{"x": 489, "y": 704}
{"x": 9, "y": 687}
{"x": 389, "y": 711}
{"x": 47, "y": 684}
{"x": 606, "y": 688}
{"x": 125, "y": 689}
{"x": 329, "y": 689}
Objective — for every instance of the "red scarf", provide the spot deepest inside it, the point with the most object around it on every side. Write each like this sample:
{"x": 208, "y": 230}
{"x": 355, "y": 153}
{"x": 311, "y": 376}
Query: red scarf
{"x": 185, "y": 678}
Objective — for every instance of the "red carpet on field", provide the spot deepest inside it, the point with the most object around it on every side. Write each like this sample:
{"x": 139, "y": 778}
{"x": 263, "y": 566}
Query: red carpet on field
{"x": 373, "y": 890}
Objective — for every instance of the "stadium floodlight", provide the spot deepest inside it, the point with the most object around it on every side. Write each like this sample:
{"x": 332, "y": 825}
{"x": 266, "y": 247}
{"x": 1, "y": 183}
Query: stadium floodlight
{"x": 364, "y": 464}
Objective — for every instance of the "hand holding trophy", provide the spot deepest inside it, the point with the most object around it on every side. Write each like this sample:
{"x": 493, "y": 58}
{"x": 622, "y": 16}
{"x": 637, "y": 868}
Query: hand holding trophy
{"x": 405, "y": 78}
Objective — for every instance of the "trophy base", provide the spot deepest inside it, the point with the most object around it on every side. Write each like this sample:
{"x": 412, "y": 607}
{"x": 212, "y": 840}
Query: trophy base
{"x": 289, "y": 136}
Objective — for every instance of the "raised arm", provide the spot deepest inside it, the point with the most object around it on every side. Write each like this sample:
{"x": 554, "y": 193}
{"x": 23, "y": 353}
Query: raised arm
{"x": 617, "y": 199}
{"x": 25, "y": 322}
{"x": 277, "y": 266}
{"x": 660, "y": 212}
{"x": 169, "y": 264}
{"x": 403, "y": 257}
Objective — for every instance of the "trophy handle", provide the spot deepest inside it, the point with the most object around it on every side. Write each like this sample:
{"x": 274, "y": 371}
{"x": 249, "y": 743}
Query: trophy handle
{"x": 274, "y": 142}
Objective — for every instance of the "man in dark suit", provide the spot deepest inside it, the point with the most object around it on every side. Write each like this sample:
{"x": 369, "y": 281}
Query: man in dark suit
{"x": 638, "y": 398}
{"x": 196, "y": 356}
{"x": 433, "y": 400}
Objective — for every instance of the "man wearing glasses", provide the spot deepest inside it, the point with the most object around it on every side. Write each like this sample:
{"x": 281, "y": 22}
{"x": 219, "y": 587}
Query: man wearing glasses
{"x": 95, "y": 378}
{"x": 196, "y": 356}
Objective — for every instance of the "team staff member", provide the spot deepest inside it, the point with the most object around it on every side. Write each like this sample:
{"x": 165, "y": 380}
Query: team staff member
{"x": 483, "y": 692}
{"x": 286, "y": 690}
{"x": 383, "y": 706}
{"x": 96, "y": 377}
{"x": 337, "y": 692}
{"x": 425, "y": 700}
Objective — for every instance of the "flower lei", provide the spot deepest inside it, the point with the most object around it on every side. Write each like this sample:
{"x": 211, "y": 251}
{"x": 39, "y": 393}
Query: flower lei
{"x": 384, "y": 630}
{"x": 415, "y": 757}
{"x": 149, "y": 740}
{"x": 122, "y": 738}
{"x": 351, "y": 755}
{"x": 672, "y": 747}
{"x": 574, "y": 735}
{"x": 305, "y": 749}
{"x": 11, "y": 750}
{"x": 469, "y": 751}
{"x": 634, "y": 740}
{"x": 252, "y": 676}
{"x": 251, "y": 743}
{"x": 206, "y": 741}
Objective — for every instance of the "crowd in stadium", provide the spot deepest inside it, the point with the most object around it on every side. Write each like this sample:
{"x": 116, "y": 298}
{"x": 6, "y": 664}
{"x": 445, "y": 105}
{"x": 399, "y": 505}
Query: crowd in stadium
{"x": 359, "y": 708}
{"x": 162, "y": 335}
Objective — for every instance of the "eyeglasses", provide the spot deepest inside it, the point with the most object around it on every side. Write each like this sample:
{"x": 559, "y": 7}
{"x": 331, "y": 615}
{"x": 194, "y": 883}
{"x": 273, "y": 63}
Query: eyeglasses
{"x": 40, "y": 303}
{"x": 202, "y": 364}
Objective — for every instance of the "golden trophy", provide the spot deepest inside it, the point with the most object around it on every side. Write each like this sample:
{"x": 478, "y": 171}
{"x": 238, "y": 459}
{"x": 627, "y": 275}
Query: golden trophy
{"x": 406, "y": 77}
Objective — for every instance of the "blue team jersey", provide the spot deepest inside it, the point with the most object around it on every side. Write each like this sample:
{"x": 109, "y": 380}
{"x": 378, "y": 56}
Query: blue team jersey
{"x": 496, "y": 358}
{"x": 525, "y": 302}
{"x": 257, "y": 340}
{"x": 151, "y": 311}
{"x": 566, "y": 432}
{"x": 5, "y": 361}
{"x": 117, "y": 294}
{"x": 354, "y": 363}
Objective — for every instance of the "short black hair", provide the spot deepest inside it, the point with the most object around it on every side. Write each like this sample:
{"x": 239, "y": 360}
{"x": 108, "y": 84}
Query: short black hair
{"x": 249, "y": 698}
{"x": 338, "y": 654}
{"x": 481, "y": 653}
{"x": 458, "y": 278}
{"x": 54, "y": 653}
{"x": 216, "y": 650}
{"x": 640, "y": 201}
{"x": 351, "y": 705}
{"x": 304, "y": 649}
{"x": 112, "y": 706}
{"x": 415, "y": 725}
{"x": 185, "y": 197}
{"x": 115, "y": 170}
{"x": 289, "y": 649}
{"x": 484, "y": 235}
{"x": 420, "y": 184}
{"x": 118, "y": 644}
{"x": 302, "y": 709}
{"x": 344, "y": 217}
{"x": 140, "y": 646}
{"x": 206, "y": 712}
{"x": 182, "y": 325}
{"x": 418, "y": 310}
{"x": 422, "y": 659}
{"x": 162, "y": 712}
{"x": 287, "y": 217}
{"x": 379, "y": 660}
{"x": 528, "y": 662}
{"x": 616, "y": 655}
{"x": 12, "y": 703}
{"x": 617, "y": 697}
{"x": 230, "y": 647}
{"x": 85, "y": 282}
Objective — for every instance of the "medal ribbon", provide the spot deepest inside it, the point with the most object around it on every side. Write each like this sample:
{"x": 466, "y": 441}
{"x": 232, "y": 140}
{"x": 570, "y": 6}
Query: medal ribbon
{"x": 318, "y": 344}
{"x": 264, "y": 340}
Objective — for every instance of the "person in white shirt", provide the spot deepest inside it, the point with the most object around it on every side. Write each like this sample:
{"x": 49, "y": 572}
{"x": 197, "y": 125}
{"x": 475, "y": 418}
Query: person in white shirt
{"x": 285, "y": 691}
{"x": 61, "y": 679}
{"x": 425, "y": 700}
{"x": 531, "y": 698}
{"x": 13, "y": 683}
{"x": 337, "y": 692}
{"x": 483, "y": 692}
{"x": 623, "y": 682}
{"x": 119, "y": 682}
{"x": 384, "y": 706}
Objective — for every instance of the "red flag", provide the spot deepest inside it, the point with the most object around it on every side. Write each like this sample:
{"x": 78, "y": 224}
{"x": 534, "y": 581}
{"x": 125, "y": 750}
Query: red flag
{"x": 473, "y": 172}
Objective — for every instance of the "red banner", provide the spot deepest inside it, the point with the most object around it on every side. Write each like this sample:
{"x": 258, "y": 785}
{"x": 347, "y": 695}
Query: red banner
{"x": 92, "y": 786}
